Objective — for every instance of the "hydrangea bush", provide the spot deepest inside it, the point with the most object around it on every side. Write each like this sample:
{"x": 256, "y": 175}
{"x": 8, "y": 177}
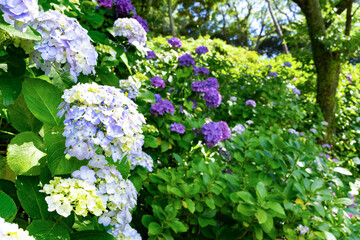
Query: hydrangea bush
{"x": 232, "y": 146}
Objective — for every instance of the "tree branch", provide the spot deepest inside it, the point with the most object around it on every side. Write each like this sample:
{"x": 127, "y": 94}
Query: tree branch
{"x": 348, "y": 18}
{"x": 341, "y": 6}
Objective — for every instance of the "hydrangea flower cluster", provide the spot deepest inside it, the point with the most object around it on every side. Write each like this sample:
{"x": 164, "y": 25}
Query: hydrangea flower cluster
{"x": 157, "y": 97}
{"x": 19, "y": 12}
{"x": 128, "y": 233}
{"x": 215, "y": 132}
{"x": 186, "y": 60}
{"x": 100, "y": 117}
{"x": 239, "y": 128}
{"x": 355, "y": 187}
{"x": 177, "y": 127}
{"x": 65, "y": 44}
{"x": 119, "y": 194}
{"x": 201, "y": 50}
{"x": 250, "y": 102}
{"x": 302, "y": 229}
{"x": 287, "y": 64}
{"x": 130, "y": 86}
{"x": 273, "y": 74}
{"x": 201, "y": 70}
{"x": 175, "y": 42}
{"x": 296, "y": 91}
{"x": 124, "y": 8}
{"x": 131, "y": 29}
{"x": 11, "y": 231}
{"x": 106, "y": 3}
{"x": 142, "y": 22}
{"x": 209, "y": 87}
{"x": 158, "y": 82}
{"x": 163, "y": 106}
{"x": 140, "y": 158}
{"x": 71, "y": 194}
{"x": 150, "y": 55}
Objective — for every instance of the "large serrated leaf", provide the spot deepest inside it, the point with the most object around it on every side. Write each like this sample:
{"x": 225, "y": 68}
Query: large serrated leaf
{"x": 42, "y": 99}
{"x": 24, "y": 153}
{"x": 29, "y": 34}
{"x": 8, "y": 208}
{"x": 44, "y": 230}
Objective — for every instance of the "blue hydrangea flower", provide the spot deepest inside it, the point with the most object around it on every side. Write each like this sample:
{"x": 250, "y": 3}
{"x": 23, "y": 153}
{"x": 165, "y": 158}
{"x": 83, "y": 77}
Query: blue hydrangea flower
{"x": 163, "y": 106}
{"x": 175, "y": 42}
{"x": 130, "y": 86}
{"x": 140, "y": 158}
{"x": 273, "y": 74}
{"x": 287, "y": 64}
{"x": 150, "y": 55}
{"x": 215, "y": 132}
{"x": 158, "y": 82}
{"x": 201, "y": 50}
{"x": 65, "y": 44}
{"x": 296, "y": 91}
{"x": 186, "y": 60}
{"x": 239, "y": 128}
{"x": 126, "y": 233}
{"x": 19, "y": 12}
{"x": 203, "y": 86}
{"x": 177, "y": 127}
{"x": 201, "y": 70}
{"x": 131, "y": 29}
{"x": 100, "y": 118}
{"x": 124, "y": 8}
{"x": 212, "y": 97}
{"x": 157, "y": 97}
{"x": 269, "y": 66}
{"x": 193, "y": 101}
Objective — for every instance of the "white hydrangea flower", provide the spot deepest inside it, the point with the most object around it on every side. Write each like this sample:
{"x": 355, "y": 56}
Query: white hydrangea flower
{"x": 66, "y": 195}
{"x": 355, "y": 187}
{"x": 65, "y": 44}
{"x": 126, "y": 233}
{"x": 130, "y": 86}
{"x": 11, "y": 231}
{"x": 131, "y": 29}
{"x": 239, "y": 128}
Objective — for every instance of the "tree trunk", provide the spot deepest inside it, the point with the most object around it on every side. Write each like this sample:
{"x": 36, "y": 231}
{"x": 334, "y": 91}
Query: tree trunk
{"x": 170, "y": 12}
{"x": 327, "y": 63}
{"x": 278, "y": 29}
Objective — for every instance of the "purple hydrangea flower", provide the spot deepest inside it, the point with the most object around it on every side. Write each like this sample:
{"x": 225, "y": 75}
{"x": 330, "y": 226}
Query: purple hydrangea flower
{"x": 150, "y": 55}
{"x": 201, "y": 70}
{"x": 250, "y": 102}
{"x": 157, "y": 97}
{"x": 335, "y": 160}
{"x": 326, "y": 145}
{"x": 201, "y": 50}
{"x": 163, "y": 106}
{"x": 175, "y": 42}
{"x": 215, "y": 132}
{"x": 239, "y": 128}
{"x": 269, "y": 66}
{"x": 186, "y": 60}
{"x": 221, "y": 151}
{"x": 212, "y": 98}
{"x": 177, "y": 127}
{"x": 212, "y": 82}
{"x": 142, "y": 22}
{"x": 287, "y": 64}
{"x": 124, "y": 8}
{"x": 158, "y": 82}
{"x": 203, "y": 86}
{"x": 228, "y": 171}
{"x": 193, "y": 101}
{"x": 302, "y": 229}
{"x": 106, "y": 3}
{"x": 273, "y": 74}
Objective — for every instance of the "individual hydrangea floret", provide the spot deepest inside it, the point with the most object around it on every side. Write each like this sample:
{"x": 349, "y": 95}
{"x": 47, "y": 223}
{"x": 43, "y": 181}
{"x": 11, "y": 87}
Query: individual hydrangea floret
{"x": 131, "y": 29}
{"x": 287, "y": 64}
{"x": 239, "y": 128}
{"x": 157, "y": 97}
{"x": 150, "y": 55}
{"x": 106, "y": 3}
{"x": 212, "y": 97}
{"x": 65, "y": 45}
{"x": 201, "y": 50}
{"x": 296, "y": 91}
{"x": 100, "y": 118}
{"x": 175, "y": 42}
{"x": 163, "y": 106}
{"x": 313, "y": 130}
{"x": 201, "y": 70}
{"x": 325, "y": 123}
{"x": 130, "y": 87}
{"x": 66, "y": 195}
{"x": 250, "y": 102}
{"x": 269, "y": 66}
{"x": 124, "y": 8}
{"x": 326, "y": 145}
{"x": 249, "y": 122}
{"x": 142, "y": 22}
{"x": 126, "y": 233}
{"x": 293, "y": 131}
{"x": 273, "y": 74}
{"x": 186, "y": 60}
{"x": 233, "y": 99}
{"x": 11, "y": 231}
{"x": 177, "y": 127}
{"x": 158, "y": 82}
{"x": 215, "y": 132}
{"x": 140, "y": 158}
{"x": 19, "y": 12}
